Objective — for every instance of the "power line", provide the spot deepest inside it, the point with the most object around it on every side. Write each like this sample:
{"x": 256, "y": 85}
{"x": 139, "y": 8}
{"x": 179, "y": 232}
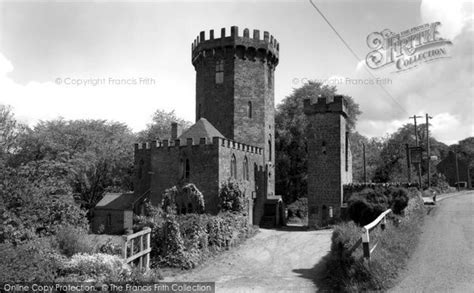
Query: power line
{"x": 356, "y": 56}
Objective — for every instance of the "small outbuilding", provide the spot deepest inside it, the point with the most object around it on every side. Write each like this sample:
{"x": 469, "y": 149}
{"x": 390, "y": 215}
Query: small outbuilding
{"x": 114, "y": 213}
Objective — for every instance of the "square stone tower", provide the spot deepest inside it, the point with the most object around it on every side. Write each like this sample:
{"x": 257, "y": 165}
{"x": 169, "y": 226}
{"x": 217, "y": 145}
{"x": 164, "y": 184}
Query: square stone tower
{"x": 329, "y": 158}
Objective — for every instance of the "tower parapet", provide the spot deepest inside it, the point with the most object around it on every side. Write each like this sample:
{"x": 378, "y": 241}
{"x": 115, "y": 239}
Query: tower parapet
{"x": 339, "y": 105}
{"x": 246, "y": 47}
{"x": 216, "y": 141}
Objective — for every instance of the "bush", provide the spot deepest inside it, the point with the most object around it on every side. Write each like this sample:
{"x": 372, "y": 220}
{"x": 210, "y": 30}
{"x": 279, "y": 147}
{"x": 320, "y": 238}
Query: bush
{"x": 35, "y": 260}
{"x": 99, "y": 266}
{"x": 109, "y": 247}
{"x": 346, "y": 269}
{"x": 71, "y": 240}
{"x": 367, "y": 205}
{"x": 184, "y": 241}
{"x": 232, "y": 196}
{"x": 299, "y": 208}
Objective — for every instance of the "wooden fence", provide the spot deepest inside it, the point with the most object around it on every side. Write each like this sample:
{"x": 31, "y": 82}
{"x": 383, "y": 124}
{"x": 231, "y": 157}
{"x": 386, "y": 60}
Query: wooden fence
{"x": 142, "y": 251}
{"x": 382, "y": 220}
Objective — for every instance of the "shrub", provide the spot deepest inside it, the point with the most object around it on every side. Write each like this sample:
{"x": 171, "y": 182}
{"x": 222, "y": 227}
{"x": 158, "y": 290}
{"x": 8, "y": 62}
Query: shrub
{"x": 346, "y": 269}
{"x": 232, "y": 196}
{"x": 35, "y": 260}
{"x": 299, "y": 208}
{"x": 177, "y": 199}
{"x": 109, "y": 247}
{"x": 367, "y": 205}
{"x": 99, "y": 266}
{"x": 71, "y": 240}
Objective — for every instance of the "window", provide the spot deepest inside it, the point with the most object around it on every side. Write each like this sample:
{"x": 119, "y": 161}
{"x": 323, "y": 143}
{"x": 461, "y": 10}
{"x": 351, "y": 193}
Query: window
{"x": 323, "y": 147}
{"x": 246, "y": 169}
{"x": 249, "y": 109}
{"x": 270, "y": 148}
{"x": 182, "y": 167}
{"x": 219, "y": 71}
{"x": 233, "y": 167}
{"x": 109, "y": 220}
{"x": 187, "y": 170}
{"x": 347, "y": 151}
{"x": 140, "y": 169}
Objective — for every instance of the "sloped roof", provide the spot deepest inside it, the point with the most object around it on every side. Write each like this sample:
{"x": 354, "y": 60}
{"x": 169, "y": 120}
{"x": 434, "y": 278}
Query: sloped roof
{"x": 202, "y": 128}
{"x": 116, "y": 201}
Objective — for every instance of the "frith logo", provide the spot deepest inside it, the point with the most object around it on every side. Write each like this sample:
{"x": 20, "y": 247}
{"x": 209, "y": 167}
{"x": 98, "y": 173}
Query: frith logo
{"x": 407, "y": 49}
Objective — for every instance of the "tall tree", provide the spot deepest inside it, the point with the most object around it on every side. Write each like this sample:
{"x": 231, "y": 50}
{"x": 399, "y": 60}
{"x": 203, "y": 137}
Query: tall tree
{"x": 290, "y": 138}
{"x": 160, "y": 127}
{"x": 98, "y": 155}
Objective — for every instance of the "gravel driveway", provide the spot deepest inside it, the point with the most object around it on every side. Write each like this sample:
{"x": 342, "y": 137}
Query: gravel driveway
{"x": 272, "y": 261}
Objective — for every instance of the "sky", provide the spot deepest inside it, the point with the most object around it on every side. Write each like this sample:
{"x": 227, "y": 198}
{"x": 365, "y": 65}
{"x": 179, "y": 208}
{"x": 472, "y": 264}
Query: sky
{"x": 123, "y": 60}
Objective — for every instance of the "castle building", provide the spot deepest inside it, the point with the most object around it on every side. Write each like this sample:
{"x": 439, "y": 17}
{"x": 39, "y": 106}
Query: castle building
{"x": 234, "y": 135}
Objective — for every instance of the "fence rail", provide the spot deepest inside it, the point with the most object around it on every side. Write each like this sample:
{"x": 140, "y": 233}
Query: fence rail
{"x": 144, "y": 249}
{"x": 382, "y": 220}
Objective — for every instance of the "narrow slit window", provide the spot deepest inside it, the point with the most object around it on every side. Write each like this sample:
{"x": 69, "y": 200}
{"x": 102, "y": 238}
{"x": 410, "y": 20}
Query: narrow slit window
{"x": 249, "y": 109}
{"x": 187, "y": 171}
{"x": 246, "y": 169}
{"x": 233, "y": 167}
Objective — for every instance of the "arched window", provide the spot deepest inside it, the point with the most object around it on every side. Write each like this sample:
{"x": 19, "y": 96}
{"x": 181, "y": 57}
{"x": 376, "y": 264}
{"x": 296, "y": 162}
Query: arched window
{"x": 181, "y": 168}
{"x": 187, "y": 170}
{"x": 233, "y": 167}
{"x": 220, "y": 71}
{"x": 246, "y": 169}
{"x": 249, "y": 109}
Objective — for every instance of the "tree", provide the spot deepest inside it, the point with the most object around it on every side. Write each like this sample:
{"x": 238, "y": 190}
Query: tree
{"x": 98, "y": 155}
{"x": 10, "y": 129}
{"x": 373, "y": 147}
{"x": 393, "y": 163}
{"x": 290, "y": 137}
{"x": 160, "y": 128}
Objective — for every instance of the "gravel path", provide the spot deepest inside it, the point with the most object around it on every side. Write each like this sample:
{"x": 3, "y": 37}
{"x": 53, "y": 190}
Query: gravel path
{"x": 272, "y": 261}
{"x": 444, "y": 259}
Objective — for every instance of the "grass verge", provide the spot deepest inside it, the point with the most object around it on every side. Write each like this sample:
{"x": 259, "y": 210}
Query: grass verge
{"x": 348, "y": 271}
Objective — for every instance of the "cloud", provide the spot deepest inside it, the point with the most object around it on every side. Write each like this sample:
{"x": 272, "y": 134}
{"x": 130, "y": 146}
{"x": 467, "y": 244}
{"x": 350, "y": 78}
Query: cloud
{"x": 133, "y": 104}
{"x": 442, "y": 88}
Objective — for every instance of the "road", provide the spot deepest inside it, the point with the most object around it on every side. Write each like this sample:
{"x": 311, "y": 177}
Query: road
{"x": 444, "y": 259}
{"x": 272, "y": 261}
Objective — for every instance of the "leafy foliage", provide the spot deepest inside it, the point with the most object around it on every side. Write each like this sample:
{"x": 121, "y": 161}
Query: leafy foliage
{"x": 160, "y": 128}
{"x": 367, "y": 205}
{"x": 28, "y": 209}
{"x": 35, "y": 260}
{"x": 71, "y": 240}
{"x": 90, "y": 155}
{"x": 232, "y": 196}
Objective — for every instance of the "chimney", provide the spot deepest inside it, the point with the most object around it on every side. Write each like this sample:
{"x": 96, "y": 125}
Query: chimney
{"x": 176, "y": 130}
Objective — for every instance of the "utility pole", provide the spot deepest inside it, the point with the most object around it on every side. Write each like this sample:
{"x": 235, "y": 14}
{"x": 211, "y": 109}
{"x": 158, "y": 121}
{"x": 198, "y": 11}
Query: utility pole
{"x": 457, "y": 170}
{"x": 428, "y": 146}
{"x": 407, "y": 148}
{"x": 365, "y": 167}
{"x": 416, "y": 144}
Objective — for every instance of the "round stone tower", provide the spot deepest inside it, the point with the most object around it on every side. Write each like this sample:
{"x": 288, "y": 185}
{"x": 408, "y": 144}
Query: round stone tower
{"x": 235, "y": 88}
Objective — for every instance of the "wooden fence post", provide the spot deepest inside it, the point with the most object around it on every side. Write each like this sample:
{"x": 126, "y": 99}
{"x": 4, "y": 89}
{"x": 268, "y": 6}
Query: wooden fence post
{"x": 365, "y": 243}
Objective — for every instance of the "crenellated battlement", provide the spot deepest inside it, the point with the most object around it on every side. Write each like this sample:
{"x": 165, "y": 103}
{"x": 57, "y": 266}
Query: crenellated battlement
{"x": 216, "y": 141}
{"x": 243, "y": 46}
{"x": 339, "y": 105}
